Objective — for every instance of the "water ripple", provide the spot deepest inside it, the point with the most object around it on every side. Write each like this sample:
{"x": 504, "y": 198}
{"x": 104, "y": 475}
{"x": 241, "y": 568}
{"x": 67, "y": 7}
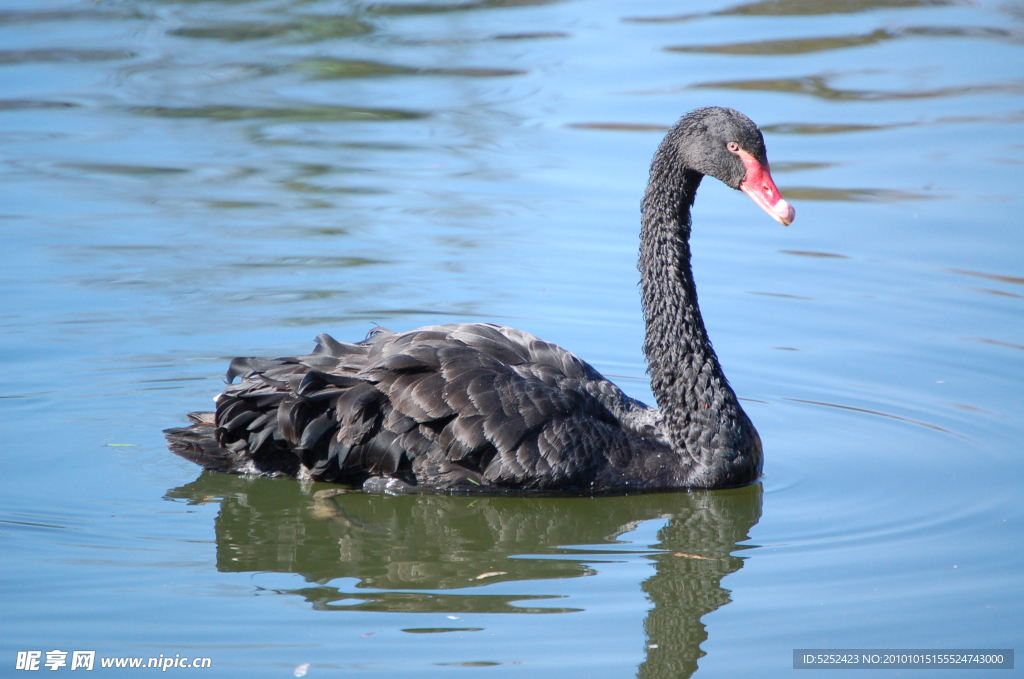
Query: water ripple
{"x": 881, "y": 414}
{"x": 775, "y": 8}
{"x": 337, "y": 69}
{"x": 787, "y": 47}
{"x": 818, "y": 86}
{"x": 308, "y": 113}
{"x": 793, "y": 46}
{"x": 308, "y": 29}
{"x": 62, "y": 55}
{"x": 854, "y": 195}
{"x": 415, "y": 8}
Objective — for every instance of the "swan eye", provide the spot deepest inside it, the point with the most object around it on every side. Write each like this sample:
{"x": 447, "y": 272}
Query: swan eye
{"x": 733, "y": 146}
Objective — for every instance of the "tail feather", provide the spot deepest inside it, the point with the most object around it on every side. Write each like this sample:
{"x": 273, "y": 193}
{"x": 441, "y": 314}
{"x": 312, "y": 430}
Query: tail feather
{"x": 198, "y": 443}
{"x": 201, "y": 444}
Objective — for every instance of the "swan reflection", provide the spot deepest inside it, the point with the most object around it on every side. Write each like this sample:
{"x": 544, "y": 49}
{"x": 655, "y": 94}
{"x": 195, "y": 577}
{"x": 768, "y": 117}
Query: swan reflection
{"x": 442, "y": 554}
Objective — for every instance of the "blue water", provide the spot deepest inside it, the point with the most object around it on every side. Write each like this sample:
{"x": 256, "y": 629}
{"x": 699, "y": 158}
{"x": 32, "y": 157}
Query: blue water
{"x": 186, "y": 182}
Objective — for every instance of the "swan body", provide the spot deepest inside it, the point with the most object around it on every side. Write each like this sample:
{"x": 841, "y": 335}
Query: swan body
{"x": 481, "y": 407}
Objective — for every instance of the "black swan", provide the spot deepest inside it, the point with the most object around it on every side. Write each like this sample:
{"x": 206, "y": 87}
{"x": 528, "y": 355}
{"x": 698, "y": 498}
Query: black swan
{"x": 480, "y": 407}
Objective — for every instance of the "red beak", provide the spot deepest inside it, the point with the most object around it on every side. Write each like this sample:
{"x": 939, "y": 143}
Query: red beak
{"x": 759, "y": 186}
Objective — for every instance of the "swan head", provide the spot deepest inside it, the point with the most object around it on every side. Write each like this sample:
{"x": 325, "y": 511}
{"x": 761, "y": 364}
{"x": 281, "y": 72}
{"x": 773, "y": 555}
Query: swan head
{"x": 727, "y": 145}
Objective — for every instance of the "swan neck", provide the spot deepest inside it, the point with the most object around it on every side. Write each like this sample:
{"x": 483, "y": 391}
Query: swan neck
{"x": 686, "y": 377}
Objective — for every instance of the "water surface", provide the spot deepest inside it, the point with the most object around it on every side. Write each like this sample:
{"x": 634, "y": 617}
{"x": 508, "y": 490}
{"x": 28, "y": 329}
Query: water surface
{"x": 185, "y": 182}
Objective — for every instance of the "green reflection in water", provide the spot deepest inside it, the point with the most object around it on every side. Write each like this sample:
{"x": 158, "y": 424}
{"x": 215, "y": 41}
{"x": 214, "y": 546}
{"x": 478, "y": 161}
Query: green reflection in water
{"x": 312, "y": 113}
{"x": 60, "y": 55}
{"x": 310, "y": 262}
{"x": 340, "y": 69}
{"x": 818, "y": 86}
{"x": 823, "y": 128}
{"x": 786, "y": 47}
{"x": 770, "y": 8}
{"x": 451, "y": 554}
{"x": 854, "y": 195}
{"x": 822, "y": 7}
{"x": 26, "y": 104}
{"x": 122, "y": 170}
{"x": 412, "y": 8}
{"x": 309, "y": 29}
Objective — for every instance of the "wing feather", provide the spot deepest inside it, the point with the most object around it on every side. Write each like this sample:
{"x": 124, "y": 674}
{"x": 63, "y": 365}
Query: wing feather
{"x": 441, "y": 406}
